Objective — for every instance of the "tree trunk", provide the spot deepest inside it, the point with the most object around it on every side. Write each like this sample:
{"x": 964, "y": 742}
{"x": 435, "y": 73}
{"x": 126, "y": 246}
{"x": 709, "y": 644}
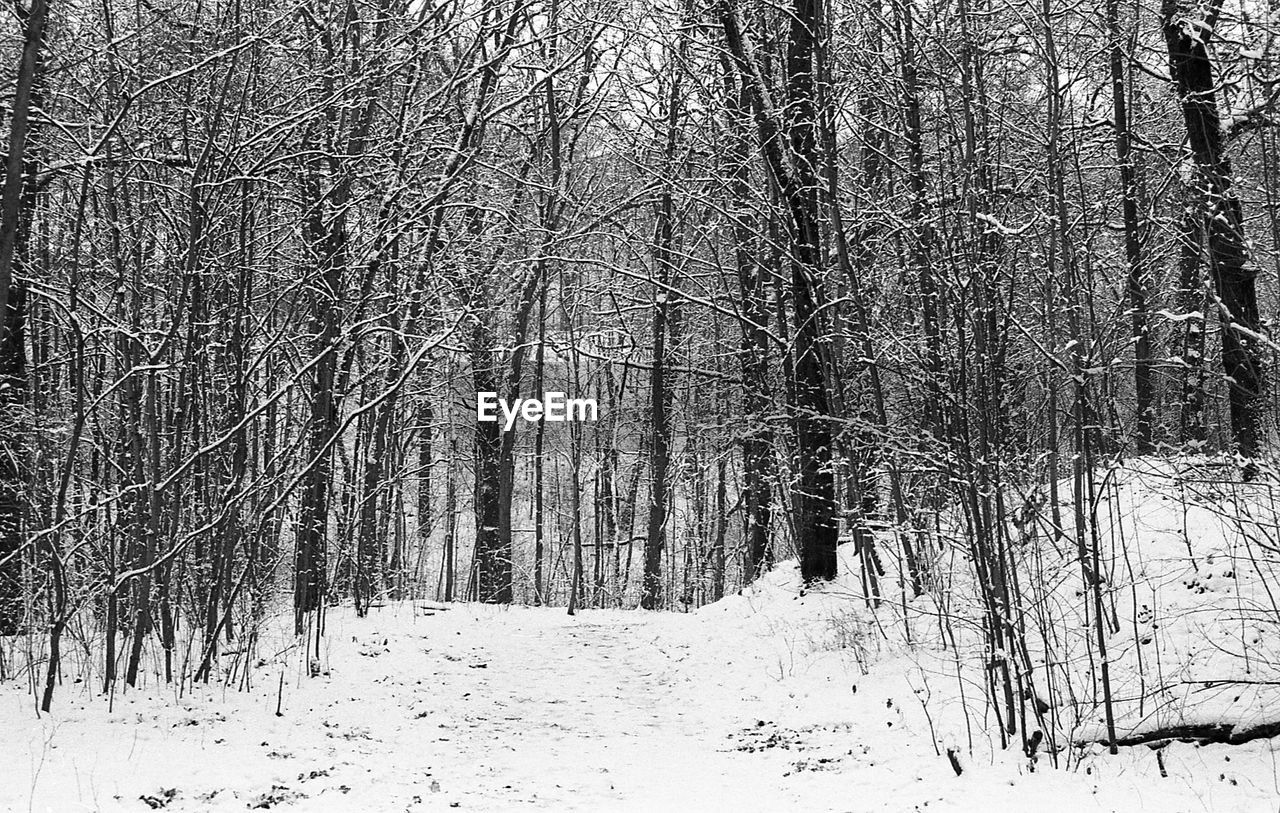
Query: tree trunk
{"x": 793, "y": 165}
{"x": 1234, "y": 278}
{"x": 16, "y": 200}
{"x": 539, "y": 441}
{"x": 311, "y": 555}
{"x": 491, "y": 567}
{"x": 426, "y": 461}
{"x": 659, "y": 385}
{"x": 1144, "y": 389}
{"x": 757, "y": 440}
{"x": 1193, "y": 432}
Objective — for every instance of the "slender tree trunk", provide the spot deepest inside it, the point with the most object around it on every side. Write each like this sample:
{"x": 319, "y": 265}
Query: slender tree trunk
{"x": 757, "y": 440}
{"x": 1191, "y": 293}
{"x": 660, "y": 397}
{"x": 449, "y": 566}
{"x": 539, "y": 442}
{"x": 1143, "y": 385}
{"x": 919, "y": 254}
{"x": 426, "y": 461}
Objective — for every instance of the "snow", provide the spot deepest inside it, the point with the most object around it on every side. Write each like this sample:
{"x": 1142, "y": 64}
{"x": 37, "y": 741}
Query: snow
{"x": 1190, "y": 576}
{"x": 1181, "y": 317}
{"x": 769, "y": 700}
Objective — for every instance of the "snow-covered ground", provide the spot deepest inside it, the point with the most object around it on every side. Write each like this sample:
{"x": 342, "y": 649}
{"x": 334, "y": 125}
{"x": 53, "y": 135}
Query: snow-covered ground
{"x": 767, "y": 701}
{"x": 483, "y": 708}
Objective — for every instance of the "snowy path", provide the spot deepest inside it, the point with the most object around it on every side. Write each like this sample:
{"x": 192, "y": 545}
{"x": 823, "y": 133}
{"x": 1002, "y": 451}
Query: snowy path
{"x": 492, "y": 709}
{"x": 477, "y": 707}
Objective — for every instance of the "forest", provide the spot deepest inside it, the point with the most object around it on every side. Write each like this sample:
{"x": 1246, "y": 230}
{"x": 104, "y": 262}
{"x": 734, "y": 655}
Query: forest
{"x": 896, "y": 289}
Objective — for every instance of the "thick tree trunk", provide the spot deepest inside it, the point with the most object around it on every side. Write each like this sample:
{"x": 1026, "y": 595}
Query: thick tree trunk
{"x": 491, "y": 567}
{"x": 815, "y": 497}
{"x": 1234, "y": 278}
{"x": 311, "y": 555}
{"x": 659, "y": 454}
{"x": 16, "y": 201}
{"x": 792, "y": 163}
{"x": 369, "y": 547}
{"x": 13, "y": 475}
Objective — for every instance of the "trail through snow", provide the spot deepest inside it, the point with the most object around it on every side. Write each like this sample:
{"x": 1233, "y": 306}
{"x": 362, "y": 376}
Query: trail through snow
{"x": 740, "y": 707}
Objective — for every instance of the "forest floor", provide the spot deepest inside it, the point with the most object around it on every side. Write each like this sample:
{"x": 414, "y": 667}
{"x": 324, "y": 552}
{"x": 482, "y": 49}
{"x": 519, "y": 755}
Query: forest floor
{"x": 758, "y": 703}
{"x": 769, "y": 700}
